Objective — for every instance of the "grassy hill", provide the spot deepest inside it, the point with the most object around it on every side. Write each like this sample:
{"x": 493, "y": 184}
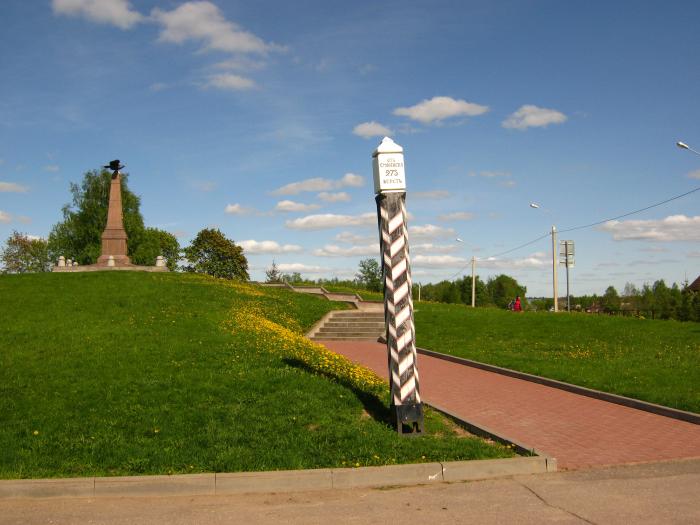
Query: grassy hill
{"x": 115, "y": 373}
{"x": 657, "y": 361}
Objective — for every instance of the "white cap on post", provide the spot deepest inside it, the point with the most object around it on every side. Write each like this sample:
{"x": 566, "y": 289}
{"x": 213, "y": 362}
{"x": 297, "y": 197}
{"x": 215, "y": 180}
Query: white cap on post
{"x": 388, "y": 167}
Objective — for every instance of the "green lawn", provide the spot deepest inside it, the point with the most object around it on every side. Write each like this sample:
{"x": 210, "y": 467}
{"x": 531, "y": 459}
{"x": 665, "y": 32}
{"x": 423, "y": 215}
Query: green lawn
{"x": 657, "y": 361}
{"x": 366, "y": 295}
{"x": 117, "y": 373}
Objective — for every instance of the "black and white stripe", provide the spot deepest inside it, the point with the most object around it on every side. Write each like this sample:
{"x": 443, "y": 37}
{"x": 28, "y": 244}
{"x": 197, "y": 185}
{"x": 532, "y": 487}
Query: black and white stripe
{"x": 398, "y": 303}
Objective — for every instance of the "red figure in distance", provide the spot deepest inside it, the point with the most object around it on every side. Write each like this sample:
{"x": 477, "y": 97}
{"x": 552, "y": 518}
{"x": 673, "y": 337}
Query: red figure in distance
{"x": 517, "y": 307}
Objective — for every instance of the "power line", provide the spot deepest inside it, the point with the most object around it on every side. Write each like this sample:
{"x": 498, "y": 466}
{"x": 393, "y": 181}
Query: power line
{"x": 500, "y": 254}
{"x": 630, "y": 213}
{"x": 461, "y": 270}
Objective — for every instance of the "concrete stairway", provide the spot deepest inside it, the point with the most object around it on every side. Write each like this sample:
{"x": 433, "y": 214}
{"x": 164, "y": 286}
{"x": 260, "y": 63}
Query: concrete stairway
{"x": 349, "y": 325}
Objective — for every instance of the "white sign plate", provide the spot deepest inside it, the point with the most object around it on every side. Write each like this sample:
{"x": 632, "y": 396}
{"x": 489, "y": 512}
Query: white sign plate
{"x": 389, "y": 172}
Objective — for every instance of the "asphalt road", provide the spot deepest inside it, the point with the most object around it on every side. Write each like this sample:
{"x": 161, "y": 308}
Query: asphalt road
{"x": 666, "y": 492}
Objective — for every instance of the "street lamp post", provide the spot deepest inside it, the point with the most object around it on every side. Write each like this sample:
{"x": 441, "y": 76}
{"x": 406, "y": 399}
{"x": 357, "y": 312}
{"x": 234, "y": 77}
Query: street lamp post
{"x": 683, "y": 145}
{"x": 473, "y": 282}
{"x": 473, "y": 276}
{"x": 555, "y": 266}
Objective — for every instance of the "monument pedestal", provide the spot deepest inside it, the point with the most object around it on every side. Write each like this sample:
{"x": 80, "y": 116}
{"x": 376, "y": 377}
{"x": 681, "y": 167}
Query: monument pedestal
{"x": 114, "y": 245}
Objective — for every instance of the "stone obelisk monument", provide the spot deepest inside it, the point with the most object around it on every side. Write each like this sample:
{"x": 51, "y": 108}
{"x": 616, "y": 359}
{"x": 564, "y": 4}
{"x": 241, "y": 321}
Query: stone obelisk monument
{"x": 114, "y": 236}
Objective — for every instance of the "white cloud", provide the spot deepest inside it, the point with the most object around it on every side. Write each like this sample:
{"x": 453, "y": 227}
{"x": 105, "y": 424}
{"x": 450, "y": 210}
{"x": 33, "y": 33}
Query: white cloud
{"x": 430, "y": 231}
{"x": 230, "y": 82}
{"x": 203, "y": 21}
{"x": 430, "y": 195}
{"x": 52, "y": 168}
{"x": 352, "y": 238}
{"x": 672, "y": 228}
{"x": 440, "y": 108}
{"x": 302, "y": 268}
{"x": 253, "y": 246}
{"x": 370, "y": 129}
{"x": 315, "y": 184}
{"x": 444, "y": 261}
{"x": 490, "y": 174}
{"x": 351, "y": 179}
{"x": 115, "y": 12}
{"x": 535, "y": 260}
{"x": 457, "y": 216}
{"x": 236, "y": 209}
{"x": 295, "y": 206}
{"x": 430, "y": 248}
{"x": 334, "y": 197}
{"x": 320, "y": 184}
{"x": 204, "y": 185}
{"x": 654, "y": 249}
{"x": 240, "y": 63}
{"x": 366, "y": 69}
{"x": 333, "y": 250}
{"x": 158, "y": 86}
{"x": 507, "y": 184}
{"x": 12, "y": 187}
{"x": 5, "y": 217}
{"x": 694, "y": 174}
{"x": 529, "y": 116}
{"x": 330, "y": 220}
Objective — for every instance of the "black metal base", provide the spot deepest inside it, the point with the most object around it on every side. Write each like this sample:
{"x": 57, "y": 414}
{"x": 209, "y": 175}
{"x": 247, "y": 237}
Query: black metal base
{"x": 408, "y": 419}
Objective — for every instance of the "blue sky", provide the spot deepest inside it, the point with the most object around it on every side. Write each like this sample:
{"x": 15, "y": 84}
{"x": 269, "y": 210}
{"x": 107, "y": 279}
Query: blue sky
{"x": 260, "y": 118}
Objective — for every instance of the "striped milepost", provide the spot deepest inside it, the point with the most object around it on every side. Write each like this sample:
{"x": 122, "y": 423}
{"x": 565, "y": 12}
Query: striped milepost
{"x": 389, "y": 187}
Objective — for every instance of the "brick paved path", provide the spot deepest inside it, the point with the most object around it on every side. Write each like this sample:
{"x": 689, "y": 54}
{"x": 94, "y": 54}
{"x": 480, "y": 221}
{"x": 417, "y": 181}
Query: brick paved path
{"x": 577, "y": 430}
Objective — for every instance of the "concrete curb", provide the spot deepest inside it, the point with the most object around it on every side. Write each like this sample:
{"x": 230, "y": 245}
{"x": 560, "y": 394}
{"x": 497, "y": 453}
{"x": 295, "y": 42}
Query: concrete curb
{"x": 690, "y": 417}
{"x": 274, "y": 481}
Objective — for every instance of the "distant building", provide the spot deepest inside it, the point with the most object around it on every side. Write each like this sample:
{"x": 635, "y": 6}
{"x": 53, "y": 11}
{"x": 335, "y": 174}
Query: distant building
{"x": 695, "y": 285}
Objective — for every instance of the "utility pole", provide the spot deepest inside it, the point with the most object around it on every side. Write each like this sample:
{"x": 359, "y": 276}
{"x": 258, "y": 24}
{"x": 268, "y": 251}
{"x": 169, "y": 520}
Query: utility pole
{"x": 473, "y": 282}
{"x": 567, "y": 252}
{"x": 555, "y": 268}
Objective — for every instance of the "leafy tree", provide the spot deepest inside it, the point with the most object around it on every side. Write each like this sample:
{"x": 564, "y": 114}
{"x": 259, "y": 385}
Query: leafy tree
{"x": 503, "y": 289}
{"x": 611, "y": 300}
{"x": 273, "y": 274}
{"x": 663, "y": 300}
{"x": 292, "y": 278}
{"x": 79, "y": 235}
{"x": 684, "y": 311}
{"x": 465, "y": 291}
{"x": 155, "y": 242}
{"x": 369, "y": 274}
{"x": 646, "y": 300}
{"x": 25, "y": 255}
{"x": 212, "y": 253}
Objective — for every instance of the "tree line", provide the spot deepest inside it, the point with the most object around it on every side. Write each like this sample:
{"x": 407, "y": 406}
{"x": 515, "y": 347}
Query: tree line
{"x": 653, "y": 301}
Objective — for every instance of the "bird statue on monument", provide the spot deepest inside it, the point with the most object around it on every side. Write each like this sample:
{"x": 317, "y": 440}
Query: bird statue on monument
{"x": 115, "y": 166}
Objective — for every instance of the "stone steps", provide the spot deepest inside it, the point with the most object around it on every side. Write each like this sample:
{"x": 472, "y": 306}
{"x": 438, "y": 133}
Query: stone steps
{"x": 351, "y": 325}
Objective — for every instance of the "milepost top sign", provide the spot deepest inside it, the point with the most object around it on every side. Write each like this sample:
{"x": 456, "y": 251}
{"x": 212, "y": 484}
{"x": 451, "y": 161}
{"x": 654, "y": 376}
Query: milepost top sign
{"x": 389, "y": 173}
